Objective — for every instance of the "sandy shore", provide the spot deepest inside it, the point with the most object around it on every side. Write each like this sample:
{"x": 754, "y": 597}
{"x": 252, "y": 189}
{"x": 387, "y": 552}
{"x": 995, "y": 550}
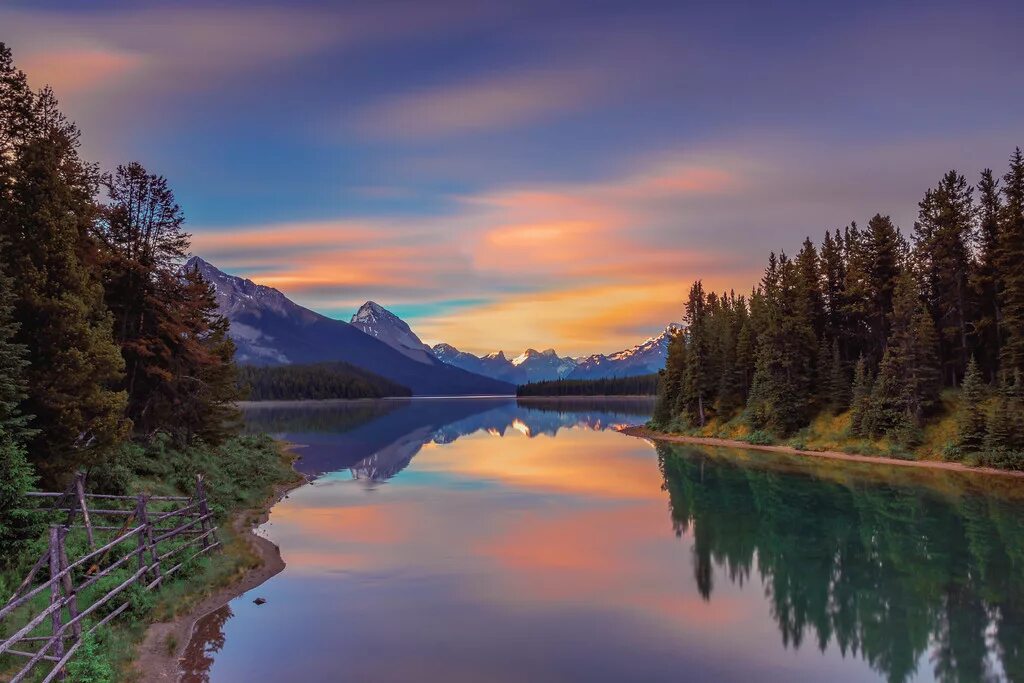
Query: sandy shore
{"x": 154, "y": 662}
{"x": 645, "y": 433}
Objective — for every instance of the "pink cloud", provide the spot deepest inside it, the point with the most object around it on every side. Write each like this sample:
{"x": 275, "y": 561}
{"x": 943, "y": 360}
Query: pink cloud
{"x": 485, "y": 103}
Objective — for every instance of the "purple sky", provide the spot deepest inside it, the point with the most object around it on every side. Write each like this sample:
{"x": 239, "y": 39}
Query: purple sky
{"x": 522, "y": 174}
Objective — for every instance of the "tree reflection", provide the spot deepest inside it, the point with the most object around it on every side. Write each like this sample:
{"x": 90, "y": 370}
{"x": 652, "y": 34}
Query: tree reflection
{"x": 207, "y": 640}
{"x": 887, "y": 571}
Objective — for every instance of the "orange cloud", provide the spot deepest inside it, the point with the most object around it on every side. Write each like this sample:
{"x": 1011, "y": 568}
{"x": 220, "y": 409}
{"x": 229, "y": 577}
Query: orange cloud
{"x": 70, "y": 71}
{"x": 584, "y": 267}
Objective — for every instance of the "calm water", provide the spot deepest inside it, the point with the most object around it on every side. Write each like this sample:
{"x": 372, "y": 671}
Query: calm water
{"x": 485, "y": 540}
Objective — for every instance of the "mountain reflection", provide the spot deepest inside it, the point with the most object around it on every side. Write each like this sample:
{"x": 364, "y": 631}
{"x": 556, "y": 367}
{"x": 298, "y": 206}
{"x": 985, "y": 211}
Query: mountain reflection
{"x": 888, "y": 571}
{"x": 376, "y": 440}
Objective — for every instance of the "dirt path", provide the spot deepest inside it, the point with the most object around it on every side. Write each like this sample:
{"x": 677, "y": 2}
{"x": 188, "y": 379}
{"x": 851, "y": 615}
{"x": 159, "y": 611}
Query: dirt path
{"x": 645, "y": 433}
{"x": 155, "y": 660}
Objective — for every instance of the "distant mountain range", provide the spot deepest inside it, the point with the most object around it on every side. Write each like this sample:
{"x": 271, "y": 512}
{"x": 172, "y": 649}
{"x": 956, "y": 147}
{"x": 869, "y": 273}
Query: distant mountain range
{"x": 538, "y": 366}
{"x": 270, "y": 329}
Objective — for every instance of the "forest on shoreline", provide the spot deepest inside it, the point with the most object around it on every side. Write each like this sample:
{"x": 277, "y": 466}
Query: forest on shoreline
{"x": 637, "y": 385}
{"x": 874, "y": 336}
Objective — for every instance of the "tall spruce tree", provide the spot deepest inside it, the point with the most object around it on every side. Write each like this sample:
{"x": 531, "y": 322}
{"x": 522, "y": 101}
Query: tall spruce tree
{"x": 1009, "y": 261}
{"x": 699, "y": 381}
{"x": 970, "y": 415}
{"x": 860, "y": 403}
{"x": 882, "y": 255}
{"x": 985, "y": 277}
{"x": 943, "y": 235}
{"x": 46, "y": 211}
{"x": 12, "y": 360}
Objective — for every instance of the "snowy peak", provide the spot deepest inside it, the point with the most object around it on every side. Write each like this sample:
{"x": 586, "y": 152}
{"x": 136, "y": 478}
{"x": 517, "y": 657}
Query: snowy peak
{"x": 644, "y": 358}
{"x": 379, "y": 322}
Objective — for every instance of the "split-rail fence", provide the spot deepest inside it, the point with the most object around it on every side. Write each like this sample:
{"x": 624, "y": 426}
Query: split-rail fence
{"x": 53, "y": 609}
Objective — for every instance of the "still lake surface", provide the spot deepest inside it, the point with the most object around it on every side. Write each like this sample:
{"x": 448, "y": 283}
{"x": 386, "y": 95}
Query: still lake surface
{"x": 495, "y": 540}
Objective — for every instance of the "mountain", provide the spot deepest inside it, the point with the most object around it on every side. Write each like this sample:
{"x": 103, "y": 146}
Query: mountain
{"x": 644, "y": 358}
{"x": 377, "y": 321}
{"x": 539, "y": 366}
{"x": 529, "y": 366}
{"x": 494, "y": 365}
{"x": 270, "y": 329}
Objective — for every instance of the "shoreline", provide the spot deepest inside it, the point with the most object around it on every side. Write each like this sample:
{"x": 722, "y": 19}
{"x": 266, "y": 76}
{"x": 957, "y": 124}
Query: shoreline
{"x": 153, "y": 661}
{"x": 642, "y": 432}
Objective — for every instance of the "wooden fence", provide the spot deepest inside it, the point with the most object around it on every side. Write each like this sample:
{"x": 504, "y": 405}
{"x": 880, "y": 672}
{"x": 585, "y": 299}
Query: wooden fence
{"x": 154, "y": 531}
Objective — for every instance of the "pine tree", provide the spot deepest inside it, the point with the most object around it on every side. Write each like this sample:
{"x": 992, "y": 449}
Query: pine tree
{"x": 970, "y": 416}
{"x": 12, "y": 361}
{"x": 699, "y": 381}
{"x": 18, "y": 523}
{"x": 1011, "y": 273}
{"x": 943, "y": 235}
{"x": 670, "y": 381}
{"x": 46, "y": 209}
{"x": 838, "y": 380}
{"x": 985, "y": 276}
{"x": 860, "y": 403}
{"x": 1003, "y": 426}
{"x": 882, "y": 253}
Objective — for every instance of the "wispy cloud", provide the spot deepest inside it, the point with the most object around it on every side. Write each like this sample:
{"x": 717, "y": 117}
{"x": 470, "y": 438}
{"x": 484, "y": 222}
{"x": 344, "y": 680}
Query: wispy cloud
{"x": 488, "y": 102}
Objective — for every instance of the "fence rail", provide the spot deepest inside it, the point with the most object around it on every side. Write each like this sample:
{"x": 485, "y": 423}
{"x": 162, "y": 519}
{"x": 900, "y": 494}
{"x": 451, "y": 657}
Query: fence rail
{"x": 41, "y": 633}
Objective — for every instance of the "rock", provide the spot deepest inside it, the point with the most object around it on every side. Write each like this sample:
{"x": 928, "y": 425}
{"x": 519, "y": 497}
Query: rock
{"x": 259, "y": 601}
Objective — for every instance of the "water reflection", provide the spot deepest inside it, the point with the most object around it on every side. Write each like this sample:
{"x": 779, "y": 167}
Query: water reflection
{"x": 887, "y": 572}
{"x": 459, "y": 540}
{"x": 207, "y": 641}
{"x": 378, "y": 439}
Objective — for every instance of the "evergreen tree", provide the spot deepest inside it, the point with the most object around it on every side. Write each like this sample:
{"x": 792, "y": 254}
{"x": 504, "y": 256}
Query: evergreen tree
{"x": 1011, "y": 273}
{"x": 970, "y": 416}
{"x": 882, "y": 253}
{"x": 985, "y": 276}
{"x": 46, "y": 211}
{"x": 12, "y": 361}
{"x": 1004, "y": 426}
{"x": 943, "y": 235}
{"x": 860, "y": 403}
{"x": 18, "y": 523}
{"x": 838, "y": 381}
{"x": 671, "y": 380}
{"x": 699, "y": 381}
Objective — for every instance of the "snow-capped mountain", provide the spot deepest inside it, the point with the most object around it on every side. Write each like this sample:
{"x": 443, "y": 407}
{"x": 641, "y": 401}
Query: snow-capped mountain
{"x": 540, "y": 366}
{"x": 270, "y": 329}
{"x": 379, "y": 322}
{"x": 644, "y": 358}
{"x": 494, "y": 365}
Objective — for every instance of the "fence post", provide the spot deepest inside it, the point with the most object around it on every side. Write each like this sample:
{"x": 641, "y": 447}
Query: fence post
{"x": 147, "y": 534}
{"x": 55, "y": 594}
{"x": 140, "y": 518}
{"x": 204, "y": 509}
{"x": 80, "y": 493}
{"x": 69, "y": 585}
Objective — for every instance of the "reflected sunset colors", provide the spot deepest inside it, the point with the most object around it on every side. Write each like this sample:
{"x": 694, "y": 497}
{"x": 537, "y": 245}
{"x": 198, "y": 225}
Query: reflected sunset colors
{"x": 503, "y": 541}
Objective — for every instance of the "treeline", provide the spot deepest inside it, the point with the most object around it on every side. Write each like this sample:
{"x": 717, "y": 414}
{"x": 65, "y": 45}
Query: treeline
{"x": 639, "y": 385}
{"x": 315, "y": 382}
{"x": 104, "y": 338}
{"x": 873, "y": 322}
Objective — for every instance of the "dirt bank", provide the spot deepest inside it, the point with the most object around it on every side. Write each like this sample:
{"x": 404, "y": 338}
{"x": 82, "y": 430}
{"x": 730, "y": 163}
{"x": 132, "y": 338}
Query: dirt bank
{"x": 645, "y": 433}
{"x": 156, "y": 660}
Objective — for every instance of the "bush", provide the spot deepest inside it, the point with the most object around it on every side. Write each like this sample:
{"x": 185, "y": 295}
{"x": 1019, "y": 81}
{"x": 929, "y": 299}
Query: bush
{"x": 760, "y": 438}
{"x": 91, "y": 663}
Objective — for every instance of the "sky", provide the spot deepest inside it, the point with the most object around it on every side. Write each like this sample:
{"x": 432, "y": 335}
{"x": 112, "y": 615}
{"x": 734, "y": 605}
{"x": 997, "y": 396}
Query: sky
{"x": 522, "y": 174}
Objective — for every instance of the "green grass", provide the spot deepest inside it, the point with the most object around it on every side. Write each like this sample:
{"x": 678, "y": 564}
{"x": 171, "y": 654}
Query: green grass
{"x": 239, "y": 475}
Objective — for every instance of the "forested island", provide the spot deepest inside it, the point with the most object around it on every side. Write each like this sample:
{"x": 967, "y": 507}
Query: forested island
{"x": 871, "y": 342}
{"x": 637, "y": 385}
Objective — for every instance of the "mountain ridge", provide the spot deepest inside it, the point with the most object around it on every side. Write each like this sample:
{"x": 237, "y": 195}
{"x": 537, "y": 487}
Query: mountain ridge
{"x": 270, "y": 329}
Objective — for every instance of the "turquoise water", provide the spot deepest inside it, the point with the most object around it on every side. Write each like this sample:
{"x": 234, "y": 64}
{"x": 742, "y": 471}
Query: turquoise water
{"x": 490, "y": 540}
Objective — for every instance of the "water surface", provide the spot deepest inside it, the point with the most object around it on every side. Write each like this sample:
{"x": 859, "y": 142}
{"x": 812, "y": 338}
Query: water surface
{"x": 490, "y": 540}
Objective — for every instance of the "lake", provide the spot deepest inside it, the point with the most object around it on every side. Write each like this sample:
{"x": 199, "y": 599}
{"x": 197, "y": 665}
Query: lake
{"x": 456, "y": 540}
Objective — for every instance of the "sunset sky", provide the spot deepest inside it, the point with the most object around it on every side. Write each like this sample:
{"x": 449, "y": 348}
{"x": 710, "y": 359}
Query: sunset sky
{"x": 512, "y": 174}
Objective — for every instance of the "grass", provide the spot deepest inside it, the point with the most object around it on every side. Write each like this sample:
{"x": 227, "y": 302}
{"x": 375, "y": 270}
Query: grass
{"x": 831, "y": 432}
{"x": 239, "y": 475}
